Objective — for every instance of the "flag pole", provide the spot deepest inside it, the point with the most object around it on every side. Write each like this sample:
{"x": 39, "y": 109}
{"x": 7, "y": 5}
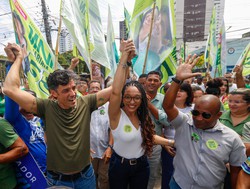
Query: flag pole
{"x": 149, "y": 38}
{"x": 58, "y": 37}
{"x": 88, "y": 41}
{"x": 57, "y": 43}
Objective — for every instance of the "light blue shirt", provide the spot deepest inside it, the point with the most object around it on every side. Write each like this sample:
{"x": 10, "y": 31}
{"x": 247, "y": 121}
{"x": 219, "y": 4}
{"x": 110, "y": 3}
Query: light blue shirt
{"x": 162, "y": 121}
{"x": 99, "y": 131}
{"x": 201, "y": 155}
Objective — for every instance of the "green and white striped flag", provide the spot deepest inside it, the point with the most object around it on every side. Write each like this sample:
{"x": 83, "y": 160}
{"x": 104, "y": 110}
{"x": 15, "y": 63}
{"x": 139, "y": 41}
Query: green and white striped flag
{"x": 211, "y": 48}
{"x": 220, "y": 66}
{"x": 127, "y": 20}
{"x": 75, "y": 17}
{"x": 99, "y": 53}
{"x": 111, "y": 46}
{"x": 245, "y": 60}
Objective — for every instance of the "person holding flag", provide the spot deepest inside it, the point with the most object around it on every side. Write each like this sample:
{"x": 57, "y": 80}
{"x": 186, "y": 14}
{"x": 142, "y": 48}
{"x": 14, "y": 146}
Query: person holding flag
{"x": 67, "y": 122}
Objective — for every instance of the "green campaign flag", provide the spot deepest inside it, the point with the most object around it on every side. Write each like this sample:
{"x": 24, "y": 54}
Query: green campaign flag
{"x": 211, "y": 48}
{"x": 111, "y": 46}
{"x": 244, "y": 59}
{"x": 38, "y": 57}
{"x": 82, "y": 19}
{"x": 140, "y": 6}
{"x": 221, "y": 56}
{"x": 75, "y": 53}
{"x": 99, "y": 53}
{"x": 162, "y": 48}
{"x": 127, "y": 20}
{"x": 182, "y": 52}
{"x": 75, "y": 17}
{"x": 168, "y": 67}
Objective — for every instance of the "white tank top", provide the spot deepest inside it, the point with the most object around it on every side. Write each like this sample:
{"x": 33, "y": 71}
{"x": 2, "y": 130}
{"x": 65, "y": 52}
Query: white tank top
{"x": 127, "y": 139}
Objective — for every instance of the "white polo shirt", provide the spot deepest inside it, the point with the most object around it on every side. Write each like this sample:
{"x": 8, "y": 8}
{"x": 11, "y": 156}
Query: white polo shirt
{"x": 201, "y": 155}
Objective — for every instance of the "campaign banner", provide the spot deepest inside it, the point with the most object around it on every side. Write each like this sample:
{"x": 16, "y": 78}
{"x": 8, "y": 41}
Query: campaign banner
{"x": 39, "y": 59}
{"x": 162, "y": 42}
{"x": 30, "y": 171}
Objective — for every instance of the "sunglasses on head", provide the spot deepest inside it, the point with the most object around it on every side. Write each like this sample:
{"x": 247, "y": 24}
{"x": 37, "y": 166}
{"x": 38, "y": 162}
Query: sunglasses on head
{"x": 205, "y": 115}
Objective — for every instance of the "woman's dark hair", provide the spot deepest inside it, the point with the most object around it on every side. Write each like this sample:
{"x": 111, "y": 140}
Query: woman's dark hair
{"x": 60, "y": 77}
{"x": 245, "y": 94}
{"x": 190, "y": 96}
{"x": 213, "y": 86}
{"x": 225, "y": 79}
{"x": 147, "y": 126}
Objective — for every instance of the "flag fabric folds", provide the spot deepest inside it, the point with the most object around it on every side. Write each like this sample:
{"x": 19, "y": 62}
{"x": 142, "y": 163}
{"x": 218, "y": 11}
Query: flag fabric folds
{"x": 127, "y": 20}
{"x": 111, "y": 46}
{"x": 82, "y": 19}
{"x": 99, "y": 53}
{"x": 244, "y": 60}
{"x": 220, "y": 66}
{"x": 162, "y": 49}
{"x": 211, "y": 48}
{"x": 75, "y": 17}
{"x": 38, "y": 57}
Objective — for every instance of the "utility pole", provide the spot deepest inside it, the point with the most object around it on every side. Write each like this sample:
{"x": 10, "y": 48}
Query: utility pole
{"x": 46, "y": 24}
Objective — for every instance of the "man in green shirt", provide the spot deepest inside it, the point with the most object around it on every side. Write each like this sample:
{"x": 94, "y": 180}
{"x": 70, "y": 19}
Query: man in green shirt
{"x": 67, "y": 121}
{"x": 11, "y": 148}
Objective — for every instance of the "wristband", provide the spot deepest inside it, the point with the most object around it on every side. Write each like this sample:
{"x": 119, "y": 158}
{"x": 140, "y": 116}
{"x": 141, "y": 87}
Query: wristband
{"x": 174, "y": 79}
{"x": 129, "y": 63}
{"x": 111, "y": 146}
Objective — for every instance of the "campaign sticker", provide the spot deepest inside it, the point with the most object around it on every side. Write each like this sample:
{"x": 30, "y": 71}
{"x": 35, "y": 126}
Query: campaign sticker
{"x": 212, "y": 144}
{"x": 127, "y": 128}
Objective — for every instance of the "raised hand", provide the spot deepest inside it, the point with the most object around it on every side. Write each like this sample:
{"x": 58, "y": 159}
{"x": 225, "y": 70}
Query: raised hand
{"x": 128, "y": 48}
{"x": 74, "y": 63}
{"x": 238, "y": 69}
{"x": 184, "y": 71}
{"x": 13, "y": 51}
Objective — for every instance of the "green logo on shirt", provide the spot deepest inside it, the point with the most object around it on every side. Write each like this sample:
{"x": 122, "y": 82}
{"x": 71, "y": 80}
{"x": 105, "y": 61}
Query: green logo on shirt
{"x": 102, "y": 112}
{"x": 212, "y": 144}
{"x": 195, "y": 137}
{"x": 127, "y": 128}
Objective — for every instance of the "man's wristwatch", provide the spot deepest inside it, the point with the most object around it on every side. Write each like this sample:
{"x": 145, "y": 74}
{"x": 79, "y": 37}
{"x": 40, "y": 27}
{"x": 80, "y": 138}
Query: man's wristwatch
{"x": 174, "y": 79}
{"x": 129, "y": 63}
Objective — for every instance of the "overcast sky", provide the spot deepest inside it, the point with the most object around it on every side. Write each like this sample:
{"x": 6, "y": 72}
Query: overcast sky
{"x": 237, "y": 16}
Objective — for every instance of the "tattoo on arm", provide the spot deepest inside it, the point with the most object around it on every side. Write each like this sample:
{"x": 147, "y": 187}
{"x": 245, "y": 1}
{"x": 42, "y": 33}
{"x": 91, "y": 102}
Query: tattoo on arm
{"x": 101, "y": 100}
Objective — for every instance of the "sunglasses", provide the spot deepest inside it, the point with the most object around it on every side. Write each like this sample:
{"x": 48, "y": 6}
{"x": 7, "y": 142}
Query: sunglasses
{"x": 205, "y": 115}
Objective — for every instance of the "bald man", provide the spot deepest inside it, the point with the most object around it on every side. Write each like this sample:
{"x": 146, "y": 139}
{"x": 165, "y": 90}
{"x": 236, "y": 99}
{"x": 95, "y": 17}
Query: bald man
{"x": 203, "y": 144}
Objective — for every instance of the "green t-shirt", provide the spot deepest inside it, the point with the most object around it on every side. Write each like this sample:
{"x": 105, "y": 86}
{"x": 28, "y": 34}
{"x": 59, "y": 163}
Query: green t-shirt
{"x": 68, "y": 133}
{"x": 2, "y": 106}
{"x": 7, "y": 138}
{"x": 226, "y": 120}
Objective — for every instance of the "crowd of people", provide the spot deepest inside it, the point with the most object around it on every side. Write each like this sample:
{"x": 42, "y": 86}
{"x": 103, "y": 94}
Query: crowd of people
{"x": 126, "y": 134}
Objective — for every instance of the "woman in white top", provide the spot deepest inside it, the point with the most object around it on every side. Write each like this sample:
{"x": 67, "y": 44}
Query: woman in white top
{"x": 132, "y": 128}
